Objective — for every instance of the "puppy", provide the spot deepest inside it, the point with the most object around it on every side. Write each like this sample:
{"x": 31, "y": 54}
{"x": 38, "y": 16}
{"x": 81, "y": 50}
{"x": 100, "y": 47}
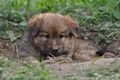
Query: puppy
{"x": 54, "y": 34}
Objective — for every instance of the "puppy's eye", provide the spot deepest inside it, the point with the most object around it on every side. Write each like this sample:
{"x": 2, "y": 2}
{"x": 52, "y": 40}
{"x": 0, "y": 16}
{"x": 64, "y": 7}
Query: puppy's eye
{"x": 47, "y": 36}
{"x": 61, "y": 36}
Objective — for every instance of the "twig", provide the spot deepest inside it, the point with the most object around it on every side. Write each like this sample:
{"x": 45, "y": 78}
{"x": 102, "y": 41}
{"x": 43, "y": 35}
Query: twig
{"x": 52, "y": 55}
{"x": 50, "y": 58}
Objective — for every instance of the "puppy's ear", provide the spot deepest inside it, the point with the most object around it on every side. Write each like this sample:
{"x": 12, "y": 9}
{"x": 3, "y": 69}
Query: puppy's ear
{"x": 75, "y": 32}
{"x": 35, "y": 24}
{"x": 74, "y": 28}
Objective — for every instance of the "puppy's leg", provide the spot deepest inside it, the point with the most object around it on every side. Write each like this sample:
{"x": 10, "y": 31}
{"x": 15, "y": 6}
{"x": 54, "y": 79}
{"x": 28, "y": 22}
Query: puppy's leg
{"x": 85, "y": 51}
{"x": 27, "y": 52}
{"x": 88, "y": 55}
{"x": 25, "y": 57}
{"x": 85, "y": 56}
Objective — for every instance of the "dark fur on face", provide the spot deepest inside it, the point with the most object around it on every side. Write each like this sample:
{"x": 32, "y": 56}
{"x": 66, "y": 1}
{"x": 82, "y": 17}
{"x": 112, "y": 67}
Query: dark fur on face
{"x": 53, "y": 33}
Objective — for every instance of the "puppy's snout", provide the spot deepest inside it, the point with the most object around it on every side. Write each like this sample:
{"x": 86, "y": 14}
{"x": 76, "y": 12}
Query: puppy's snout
{"x": 54, "y": 49}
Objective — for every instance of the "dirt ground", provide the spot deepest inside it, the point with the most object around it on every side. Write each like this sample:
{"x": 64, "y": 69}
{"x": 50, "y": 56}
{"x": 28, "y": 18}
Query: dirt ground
{"x": 74, "y": 68}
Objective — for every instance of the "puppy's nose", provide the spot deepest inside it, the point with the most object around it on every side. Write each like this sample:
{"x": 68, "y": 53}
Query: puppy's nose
{"x": 54, "y": 49}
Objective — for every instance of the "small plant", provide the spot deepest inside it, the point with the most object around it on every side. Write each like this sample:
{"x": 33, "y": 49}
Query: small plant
{"x": 10, "y": 70}
{"x": 108, "y": 34}
{"x": 105, "y": 12}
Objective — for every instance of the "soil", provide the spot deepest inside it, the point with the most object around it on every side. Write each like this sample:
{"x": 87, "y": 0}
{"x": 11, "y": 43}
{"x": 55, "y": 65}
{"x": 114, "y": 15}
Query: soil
{"x": 9, "y": 50}
{"x": 74, "y": 68}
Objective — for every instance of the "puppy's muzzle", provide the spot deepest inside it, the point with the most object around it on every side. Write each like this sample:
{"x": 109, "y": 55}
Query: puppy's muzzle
{"x": 56, "y": 50}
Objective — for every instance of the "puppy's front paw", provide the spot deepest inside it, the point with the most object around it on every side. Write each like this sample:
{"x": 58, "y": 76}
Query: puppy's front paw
{"x": 109, "y": 55}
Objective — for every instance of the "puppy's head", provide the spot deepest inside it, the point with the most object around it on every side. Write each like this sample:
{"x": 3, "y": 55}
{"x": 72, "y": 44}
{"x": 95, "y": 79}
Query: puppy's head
{"x": 52, "y": 32}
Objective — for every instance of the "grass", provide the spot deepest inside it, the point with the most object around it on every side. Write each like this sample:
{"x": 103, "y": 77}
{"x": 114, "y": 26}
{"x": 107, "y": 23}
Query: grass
{"x": 18, "y": 70}
{"x": 15, "y": 13}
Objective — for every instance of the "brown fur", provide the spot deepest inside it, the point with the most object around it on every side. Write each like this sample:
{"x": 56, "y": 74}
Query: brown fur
{"x": 53, "y": 33}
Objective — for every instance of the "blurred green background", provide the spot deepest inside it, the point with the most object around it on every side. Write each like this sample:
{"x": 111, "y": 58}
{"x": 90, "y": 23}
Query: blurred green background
{"x": 90, "y": 14}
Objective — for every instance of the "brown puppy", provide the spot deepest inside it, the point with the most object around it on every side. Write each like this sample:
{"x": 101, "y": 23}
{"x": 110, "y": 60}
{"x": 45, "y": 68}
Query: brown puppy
{"x": 53, "y": 33}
